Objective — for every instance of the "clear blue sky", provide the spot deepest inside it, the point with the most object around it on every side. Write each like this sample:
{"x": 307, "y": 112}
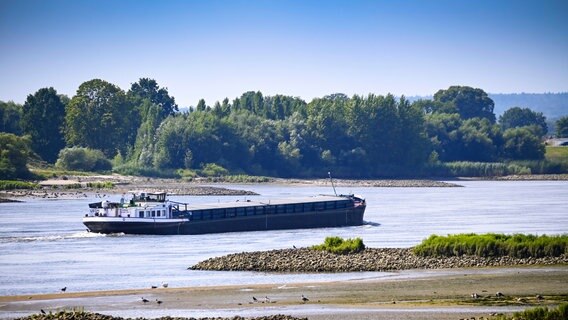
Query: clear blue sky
{"x": 217, "y": 49}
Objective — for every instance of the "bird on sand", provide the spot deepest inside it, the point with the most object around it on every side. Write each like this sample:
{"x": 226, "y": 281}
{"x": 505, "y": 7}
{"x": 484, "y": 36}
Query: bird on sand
{"x": 304, "y": 299}
{"x": 145, "y": 300}
{"x": 63, "y": 289}
{"x": 158, "y": 301}
{"x": 254, "y": 299}
{"x": 42, "y": 311}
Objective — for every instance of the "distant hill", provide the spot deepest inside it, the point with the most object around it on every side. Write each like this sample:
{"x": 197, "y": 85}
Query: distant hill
{"x": 552, "y": 105}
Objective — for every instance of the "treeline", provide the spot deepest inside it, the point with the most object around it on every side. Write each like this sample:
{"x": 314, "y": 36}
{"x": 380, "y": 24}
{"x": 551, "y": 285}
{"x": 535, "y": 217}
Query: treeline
{"x": 141, "y": 131}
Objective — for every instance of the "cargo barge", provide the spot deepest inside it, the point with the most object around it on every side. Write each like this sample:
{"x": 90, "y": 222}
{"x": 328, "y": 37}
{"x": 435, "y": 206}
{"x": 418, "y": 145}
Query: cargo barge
{"x": 154, "y": 213}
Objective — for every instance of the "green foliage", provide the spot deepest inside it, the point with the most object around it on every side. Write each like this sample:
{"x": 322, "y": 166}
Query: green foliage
{"x": 469, "y": 102}
{"x": 542, "y": 166}
{"x": 147, "y": 89}
{"x": 521, "y": 143}
{"x": 338, "y": 245}
{"x": 82, "y": 159}
{"x": 213, "y": 170}
{"x": 557, "y": 153}
{"x": 523, "y": 117}
{"x": 494, "y": 245}
{"x": 562, "y": 127}
{"x": 478, "y": 169}
{"x": 100, "y": 117}
{"x": 14, "y": 154}
{"x": 100, "y": 185}
{"x": 11, "y": 185}
{"x": 43, "y": 117}
{"x": 539, "y": 313}
{"x": 10, "y": 114}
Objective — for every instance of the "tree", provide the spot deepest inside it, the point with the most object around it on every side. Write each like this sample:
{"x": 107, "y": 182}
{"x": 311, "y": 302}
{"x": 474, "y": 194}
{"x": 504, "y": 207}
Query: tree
{"x": 99, "y": 117}
{"x": 14, "y": 153}
{"x": 521, "y": 117}
{"x": 43, "y": 116}
{"x": 10, "y": 115}
{"x": 201, "y": 105}
{"x": 469, "y": 102}
{"x": 83, "y": 159}
{"x": 147, "y": 88}
{"x": 562, "y": 127}
{"x": 480, "y": 140}
{"x": 521, "y": 143}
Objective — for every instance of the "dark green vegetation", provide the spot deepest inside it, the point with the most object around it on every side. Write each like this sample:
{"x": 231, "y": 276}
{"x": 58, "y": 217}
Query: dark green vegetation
{"x": 340, "y": 246}
{"x": 493, "y": 245}
{"x": 12, "y": 185}
{"x": 539, "y": 313}
{"x": 141, "y": 132}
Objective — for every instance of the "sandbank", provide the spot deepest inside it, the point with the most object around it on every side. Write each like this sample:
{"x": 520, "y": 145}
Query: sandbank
{"x": 410, "y": 294}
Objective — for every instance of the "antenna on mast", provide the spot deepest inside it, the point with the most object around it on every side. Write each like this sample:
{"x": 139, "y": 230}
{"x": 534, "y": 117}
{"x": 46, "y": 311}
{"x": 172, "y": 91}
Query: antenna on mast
{"x": 330, "y": 178}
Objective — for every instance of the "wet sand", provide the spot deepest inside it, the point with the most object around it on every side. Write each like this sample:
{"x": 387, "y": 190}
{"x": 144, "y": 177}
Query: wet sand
{"x": 411, "y": 294}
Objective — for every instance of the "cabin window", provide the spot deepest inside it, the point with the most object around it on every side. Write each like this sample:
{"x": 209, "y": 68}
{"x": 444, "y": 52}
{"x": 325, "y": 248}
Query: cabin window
{"x": 249, "y": 211}
{"x": 281, "y": 209}
{"x": 259, "y": 210}
{"x": 320, "y": 206}
{"x": 270, "y": 209}
{"x": 309, "y": 206}
{"x": 289, "y": 208}
{"x": 141, "y": 214}
{"x": 153, "y": 213}
{"x": 298, "y": 208}
{"x": 240, "y": 212}
{"x": 231, "y": 212}
{"x": 218, "y": 213}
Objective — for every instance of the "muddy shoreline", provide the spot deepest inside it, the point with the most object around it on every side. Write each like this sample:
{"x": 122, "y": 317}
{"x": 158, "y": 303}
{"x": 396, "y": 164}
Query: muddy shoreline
{"x": 443, "y": 294}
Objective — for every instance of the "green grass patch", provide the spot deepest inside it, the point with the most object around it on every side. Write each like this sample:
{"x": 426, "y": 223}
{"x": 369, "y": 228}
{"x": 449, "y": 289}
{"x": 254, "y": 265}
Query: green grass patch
{"x": 539, "y": 313}
{"x": 338, "y": 245}
{"x": 556, "y": 153}
{"x": 13, "y": 184}
{"x": 493, "y": 245}
{"x": 101, "y": 185}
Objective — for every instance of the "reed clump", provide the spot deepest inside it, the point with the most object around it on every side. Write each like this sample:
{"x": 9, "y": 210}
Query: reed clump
{"x": 494, "y": 245}
{"x": 13, "y": 184}
{"x": 338, "y": 245}
{"x": 539, "y": 313}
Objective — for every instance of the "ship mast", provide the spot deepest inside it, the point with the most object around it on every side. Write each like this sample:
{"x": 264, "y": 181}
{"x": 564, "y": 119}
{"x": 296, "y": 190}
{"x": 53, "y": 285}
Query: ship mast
{"x": 331, "y": 179}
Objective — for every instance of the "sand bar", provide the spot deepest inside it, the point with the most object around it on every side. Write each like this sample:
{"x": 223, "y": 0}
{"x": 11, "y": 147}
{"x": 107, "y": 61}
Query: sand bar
{"x": 417, "y": 294}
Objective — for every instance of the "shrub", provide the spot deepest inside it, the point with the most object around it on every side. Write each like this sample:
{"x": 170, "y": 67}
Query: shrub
{"x": 101, "y": 185}
{"x": 539, "y": 313}
{"x": 338, "y": 245}
{"x": 83, "y": 159}
{"x": 11, "y": 185}
{"x": 494, "y": 245}
{"x": 213, "y": 170}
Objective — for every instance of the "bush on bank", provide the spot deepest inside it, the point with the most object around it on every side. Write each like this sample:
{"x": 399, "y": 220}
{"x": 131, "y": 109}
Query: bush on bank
{"x": 340, "y": 246}
{"x": 539, "y": 313}
{"x": 12, "y": 185}
{"x": 493, "y": 245}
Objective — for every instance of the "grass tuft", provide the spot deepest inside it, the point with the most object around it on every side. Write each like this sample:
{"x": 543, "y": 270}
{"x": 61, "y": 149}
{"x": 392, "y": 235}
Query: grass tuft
{"x": 494, "y": 245}
{"x": 338, "y": 245}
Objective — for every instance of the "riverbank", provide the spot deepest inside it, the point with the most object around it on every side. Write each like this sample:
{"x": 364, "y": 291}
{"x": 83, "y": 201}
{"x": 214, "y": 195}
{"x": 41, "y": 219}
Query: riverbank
{"x": 411, "y": 294}
{"x": 73, "y": 187}
{"x": 371, "y": 259}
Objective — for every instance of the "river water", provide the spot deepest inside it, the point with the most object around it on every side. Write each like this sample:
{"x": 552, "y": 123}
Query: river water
{"x": 44, "y": 245}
